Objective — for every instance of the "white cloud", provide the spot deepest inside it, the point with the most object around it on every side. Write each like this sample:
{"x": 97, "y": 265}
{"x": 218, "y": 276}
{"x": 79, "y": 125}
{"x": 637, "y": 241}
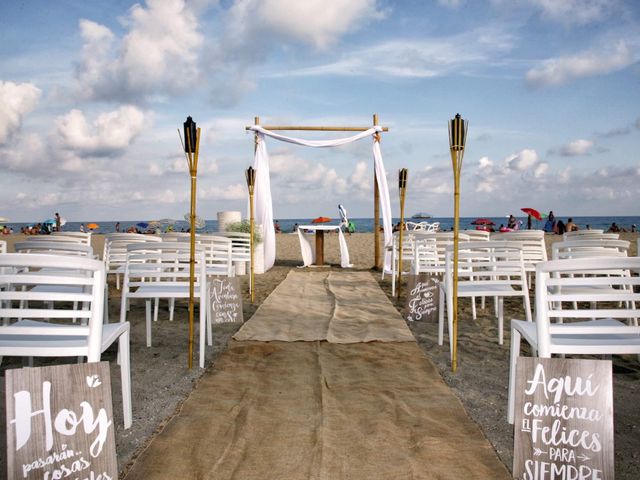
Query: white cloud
{"x": 563, "y": 70}
{"x": 425, "y": 58}
{"x": 576, "y": 148}
{"x": 522, "y": 161}
{"x": 157, "y": 54}
{"x": 17, "y": 99}
{"x": 574, "y": 11}
{"x": 109, "y": 134}
{"x": 508, "y": 175}
{"x": 315, "y": 22}
{"x": 236, "y": 191}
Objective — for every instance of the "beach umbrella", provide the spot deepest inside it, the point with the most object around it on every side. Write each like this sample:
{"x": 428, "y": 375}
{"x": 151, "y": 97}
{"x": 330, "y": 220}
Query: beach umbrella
{"x": 533, "y": 212}
{"x": 482, "y": 221}
{"x": 92, "y": 226}
{"x": 142, "y": 225}
{"x": 343, "y": 213}
{"x": 321, "y": 220}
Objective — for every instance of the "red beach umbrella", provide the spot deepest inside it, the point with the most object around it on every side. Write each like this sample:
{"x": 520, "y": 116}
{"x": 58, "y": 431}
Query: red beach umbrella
{"x": 321, "y": 220}
{"x": 482, "y": 221}
{"x": 533, "y": 212}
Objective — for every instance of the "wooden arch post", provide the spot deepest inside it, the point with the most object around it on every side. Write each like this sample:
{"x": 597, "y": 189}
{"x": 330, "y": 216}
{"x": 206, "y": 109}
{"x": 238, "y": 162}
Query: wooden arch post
{"x": 376, "y": 195}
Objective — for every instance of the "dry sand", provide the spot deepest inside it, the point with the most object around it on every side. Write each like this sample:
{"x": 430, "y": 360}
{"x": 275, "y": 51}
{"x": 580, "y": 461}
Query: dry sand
{"x": 161, "y": 379}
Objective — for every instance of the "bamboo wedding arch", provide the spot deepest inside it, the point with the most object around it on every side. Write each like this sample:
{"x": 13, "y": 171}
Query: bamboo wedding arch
{"x": 264, "y": 208}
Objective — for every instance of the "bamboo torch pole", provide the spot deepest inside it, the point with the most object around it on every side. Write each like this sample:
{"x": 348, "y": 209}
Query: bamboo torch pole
{"x": 402, "y": 183}
{"x": 250, "y": 174}
{"x": 376, "y": 208}
{"x": 192, "y": 149}
{"x": 457, "y": 138}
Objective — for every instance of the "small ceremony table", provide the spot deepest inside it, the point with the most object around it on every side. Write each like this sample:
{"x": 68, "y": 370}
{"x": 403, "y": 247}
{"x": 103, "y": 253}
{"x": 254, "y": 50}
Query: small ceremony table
{"x": 316, "y": 256}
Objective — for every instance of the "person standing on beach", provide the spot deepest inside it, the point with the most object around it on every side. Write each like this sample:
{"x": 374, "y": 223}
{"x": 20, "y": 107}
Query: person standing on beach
{"x": 58, "y": 222}
{"x": 117, "y": 226}
{"x": 82, "y": 227}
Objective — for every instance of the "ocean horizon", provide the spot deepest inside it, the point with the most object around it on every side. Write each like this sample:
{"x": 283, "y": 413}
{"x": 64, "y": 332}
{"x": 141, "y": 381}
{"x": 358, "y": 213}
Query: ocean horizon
{"x": 363, "y": 225}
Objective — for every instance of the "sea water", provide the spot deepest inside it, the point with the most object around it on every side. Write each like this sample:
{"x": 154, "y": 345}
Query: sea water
{"x": 362, "y": 224}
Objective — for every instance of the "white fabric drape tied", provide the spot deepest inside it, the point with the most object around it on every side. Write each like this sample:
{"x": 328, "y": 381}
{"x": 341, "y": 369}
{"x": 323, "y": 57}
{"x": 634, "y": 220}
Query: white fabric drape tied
{"x": 263, "y": 199}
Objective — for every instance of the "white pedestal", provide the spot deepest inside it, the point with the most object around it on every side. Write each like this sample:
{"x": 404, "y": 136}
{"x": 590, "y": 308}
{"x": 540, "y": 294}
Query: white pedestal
{"x": 225, "y": 218}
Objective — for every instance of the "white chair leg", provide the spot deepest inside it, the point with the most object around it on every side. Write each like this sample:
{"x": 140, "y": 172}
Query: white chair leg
{"x": 500, "y": 320}
{"x": 155, "y": 309}
{"x": 450, "y": 319}
{"x": 125, "y": 375}
{"x": 527, "y": 307}
{"x": 441, "y": 318}
{"x": 203, "y": 328}
{"x": 117, "y": 281}
{"x": 514, "y": 354}
{"x": 172, "y": 307}
{"x": 473, "y": 308}
{"x": 147, "y": 314}
{"x": 482, "y": 303}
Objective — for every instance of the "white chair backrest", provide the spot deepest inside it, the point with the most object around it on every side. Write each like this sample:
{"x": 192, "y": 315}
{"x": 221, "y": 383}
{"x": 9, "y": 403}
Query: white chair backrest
{"x": 84, "y": 237}
{"x": 57, "y": 238}
{"x": 424, "y": 260}
{"x": 579, "y": 233}
{"x": 589, "y": 248}
{"x": 26, "y": 271}
{"x": 240, "y": 245}
{"x": 534, "y": 249}
{"x": 477, "y": 235}
{"x": 495, "y": 263}
{"x": 217, "y": 253}
{"x": 559, "y": 282}
{"x": 54, "y": 248}
{"x": 176, "y": 236}
{"x": 115, "y": 248}
{"x": 165, "y": 263}
{"x": 590, "y": 235}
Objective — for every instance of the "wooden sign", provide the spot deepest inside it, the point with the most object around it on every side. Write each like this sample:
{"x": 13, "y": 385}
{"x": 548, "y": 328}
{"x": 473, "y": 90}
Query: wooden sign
{"x": 563, "y": 419}
{"x": 226, "y": 299}
{"x": 423, "y": 293}
{"x": 60, "y": 423}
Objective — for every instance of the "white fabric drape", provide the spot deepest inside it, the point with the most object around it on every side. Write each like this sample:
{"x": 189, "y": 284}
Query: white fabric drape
{"x": 308, "y": 252}
{"x": 263, "y": 199}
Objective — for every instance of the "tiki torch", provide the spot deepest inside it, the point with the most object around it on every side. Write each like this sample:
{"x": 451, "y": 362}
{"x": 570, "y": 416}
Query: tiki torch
{"x": 191, "y": 150}
{"x": 402, "y": 184}
{"x": 457, "y": 137}
{"x": 250, "y": 173}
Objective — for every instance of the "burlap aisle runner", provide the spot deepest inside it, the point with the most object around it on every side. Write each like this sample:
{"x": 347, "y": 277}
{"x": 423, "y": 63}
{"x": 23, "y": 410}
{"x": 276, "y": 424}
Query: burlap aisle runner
{"x": 338, "y": 307}
{"x": 322, "y": 410}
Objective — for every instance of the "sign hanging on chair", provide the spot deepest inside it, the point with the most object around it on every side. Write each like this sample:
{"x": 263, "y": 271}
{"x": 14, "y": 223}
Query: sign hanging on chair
{"x": 423, "y": 294}
{"x": 226, "y": 299}
{"x": 563, "y": 419}
{"x": 60, "y": 423}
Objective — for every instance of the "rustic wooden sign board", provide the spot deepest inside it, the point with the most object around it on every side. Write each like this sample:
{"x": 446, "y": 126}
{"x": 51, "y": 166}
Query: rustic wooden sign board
{"x": 226, "y": 299}
{"x": 60, "y": 423}
{"x": 563, "y": 419}
{"x": 423, "y": 293}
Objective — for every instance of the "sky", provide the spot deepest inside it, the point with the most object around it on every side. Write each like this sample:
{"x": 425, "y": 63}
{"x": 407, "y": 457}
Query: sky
{"x": 92, "y": 95}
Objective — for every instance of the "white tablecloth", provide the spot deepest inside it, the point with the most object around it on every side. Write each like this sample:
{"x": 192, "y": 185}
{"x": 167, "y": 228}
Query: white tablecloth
{"x": 308, "y": 251}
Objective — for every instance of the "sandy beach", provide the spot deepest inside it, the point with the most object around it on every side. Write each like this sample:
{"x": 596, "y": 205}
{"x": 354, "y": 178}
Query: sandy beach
{"x": 161, "y": 380}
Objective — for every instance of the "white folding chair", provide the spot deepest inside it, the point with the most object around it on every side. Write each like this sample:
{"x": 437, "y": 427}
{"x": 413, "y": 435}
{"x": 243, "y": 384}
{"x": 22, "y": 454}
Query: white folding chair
{"x": 590, "y": 235}
{"x": 75, "y": 280}
{"x": 494, "y": 269}
{"x": 609, "y": 301}
{"x": 115, "y": 251}
{"x": 54, "y": 247}
{"x": 162, "y": 270}
{"x": 534, "y": 249}
{"x": 240, "y": 248}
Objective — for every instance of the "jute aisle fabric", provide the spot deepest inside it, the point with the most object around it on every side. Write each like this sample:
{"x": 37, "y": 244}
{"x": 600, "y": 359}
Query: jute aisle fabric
{"x": 339, "y": 307}
{"x": 320, "y": 411}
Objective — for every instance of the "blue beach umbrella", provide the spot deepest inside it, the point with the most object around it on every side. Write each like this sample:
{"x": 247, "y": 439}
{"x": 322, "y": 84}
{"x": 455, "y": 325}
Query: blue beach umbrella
{"x": 142, "y": 225}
